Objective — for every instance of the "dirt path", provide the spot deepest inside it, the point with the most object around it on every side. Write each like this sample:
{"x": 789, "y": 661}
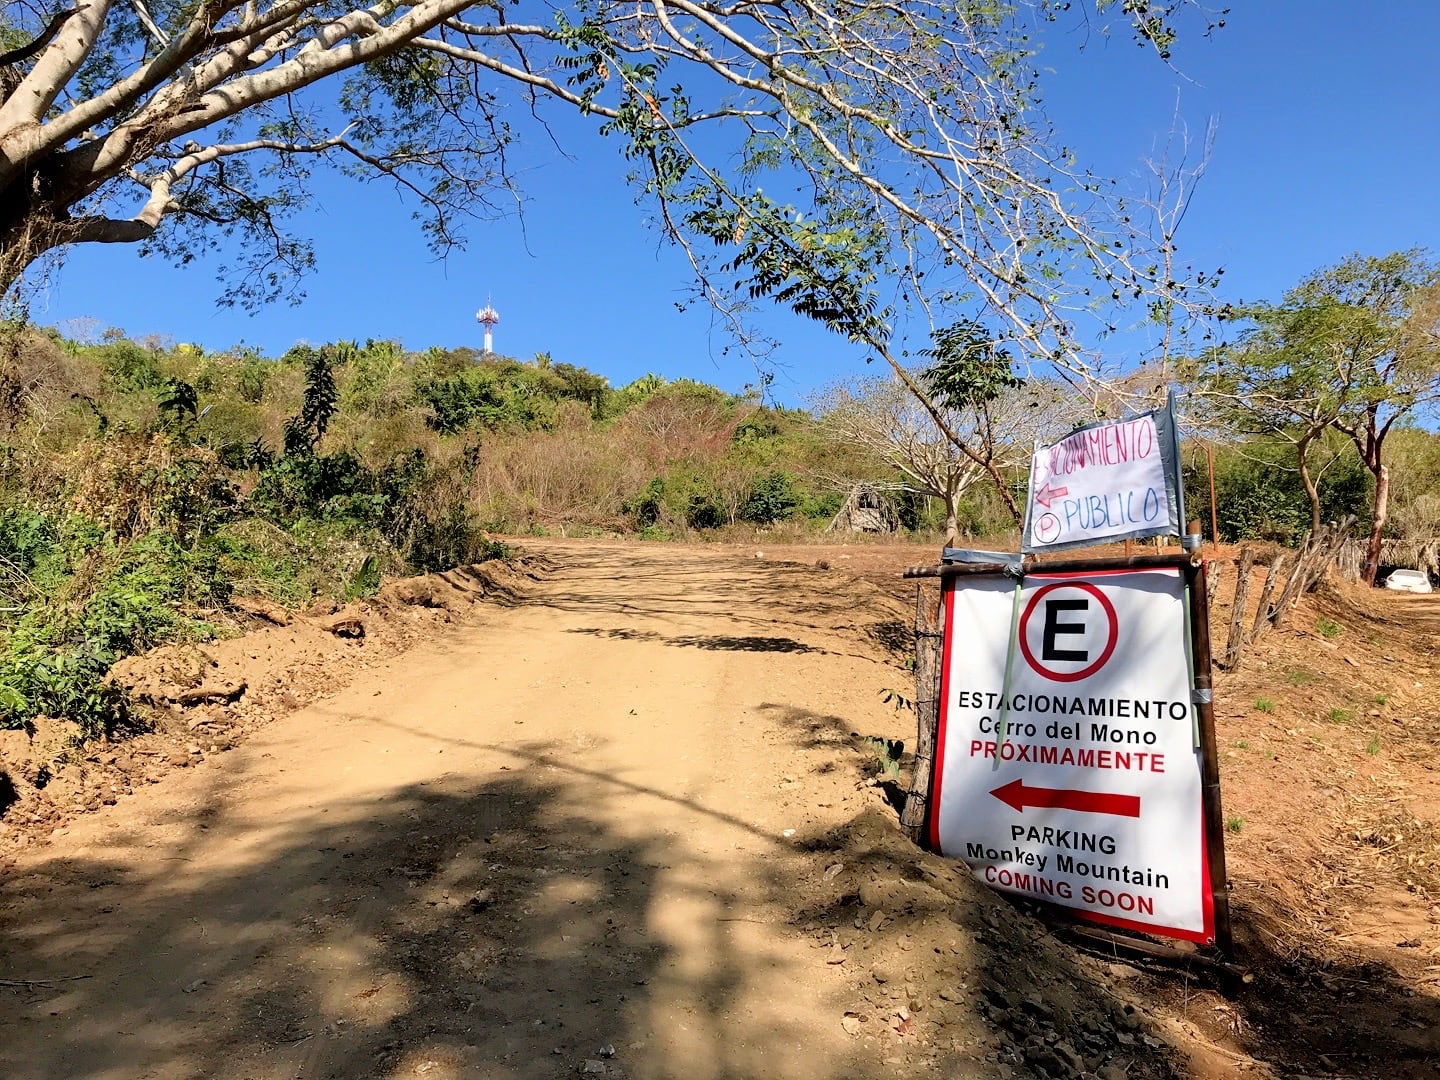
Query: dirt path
{"x": 624, "y": 823}
{"x": 560, "y": 836}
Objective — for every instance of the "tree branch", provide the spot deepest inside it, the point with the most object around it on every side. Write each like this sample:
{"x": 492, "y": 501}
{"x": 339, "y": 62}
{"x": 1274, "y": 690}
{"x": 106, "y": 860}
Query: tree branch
{"x": 24, "y": 52}
{"x": 142, "y": 226}
{"x": 77, "y": 35}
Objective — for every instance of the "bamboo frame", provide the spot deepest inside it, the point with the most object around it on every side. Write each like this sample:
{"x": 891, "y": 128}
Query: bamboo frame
{"x": 1158, "y": 951}
{"x": 1058, "y": 566}
{"x": 929, "y": 630}
{"x": 1209, "y": 755}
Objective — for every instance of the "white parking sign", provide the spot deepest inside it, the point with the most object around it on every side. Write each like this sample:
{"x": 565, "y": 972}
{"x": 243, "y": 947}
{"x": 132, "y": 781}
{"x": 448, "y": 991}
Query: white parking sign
{"x": 1067, "y": 763}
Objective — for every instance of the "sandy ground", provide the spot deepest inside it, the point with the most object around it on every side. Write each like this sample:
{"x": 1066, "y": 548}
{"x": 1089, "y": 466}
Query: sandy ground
{"x": 625, "y": 822}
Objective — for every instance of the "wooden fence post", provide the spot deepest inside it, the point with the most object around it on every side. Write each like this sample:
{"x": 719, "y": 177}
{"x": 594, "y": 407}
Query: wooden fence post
{"x": 1294, "y": 585}
{"x": 1236, "y": 641}
{"x": 1213, "y": 572}
{"x": 1262, "y": 613}
{"x": 927, "y": 706}
{"x": 1319, "y": 550}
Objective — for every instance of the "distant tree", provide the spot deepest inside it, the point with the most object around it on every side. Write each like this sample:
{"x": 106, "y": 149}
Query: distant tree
{"x": 1276, "y": 380}
{"x": 1354, "y": 347}
{"x": 304, "y": 431}
{"x": 1259, "y": 494}
{"x": 679, "y": 419}
{"x": 978, "y": 422}
{"x": 1393, "y": 369}
{"x": 594, "y": 390}
{"x": 1414, "y": 455}
{"x": 773, "y": 497}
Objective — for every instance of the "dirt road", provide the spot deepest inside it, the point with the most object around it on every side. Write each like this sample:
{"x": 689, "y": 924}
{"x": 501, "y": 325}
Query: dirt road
{"x": 624, "y": 823}
{"x": 622, "y": 826}
{"x": 558, "y": 831}
{"x": 565, "y": 838}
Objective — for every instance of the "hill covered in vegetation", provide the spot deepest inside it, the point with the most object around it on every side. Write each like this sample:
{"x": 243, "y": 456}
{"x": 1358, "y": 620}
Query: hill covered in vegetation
{"x": 145, "y": 486}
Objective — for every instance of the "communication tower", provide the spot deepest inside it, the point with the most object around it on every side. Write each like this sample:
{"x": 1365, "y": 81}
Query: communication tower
{"x": 488, "y": 317}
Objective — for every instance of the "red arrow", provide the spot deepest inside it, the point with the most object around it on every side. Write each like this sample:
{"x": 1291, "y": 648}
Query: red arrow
{"x": 1047, "y": 493}
{"x": 1017, "y": 796}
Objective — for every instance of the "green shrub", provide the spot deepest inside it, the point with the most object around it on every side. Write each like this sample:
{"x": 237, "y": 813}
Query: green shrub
{"x": 130, "y": 367}
{"x": 118, "y": 599}
{"x": 30, "y": 550}
{"x": 703, "y": 510}
{"x": 646, "y": 507}
{"x": 773, "y": 497}
{"x": 1258, "y": 494}
{"x": 491, "y": 395}
{"x": 326, "y": 487}
{"x": 822, "y": 506}
{"x": 134, "y": 484}
{"x": 251, "y": 378}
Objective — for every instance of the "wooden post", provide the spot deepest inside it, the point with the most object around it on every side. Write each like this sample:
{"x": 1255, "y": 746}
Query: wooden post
{"x": 927, "y": 707}
{"x": 1236, "y": 641}
{"x": 1261, "y": 612}
{"x": 1214, "y": 571}
{"x": 1339, "y": 531}
{"x": 1209, "y": 758}
{"x": 1295, "y": 586}
{"x": 1214, "y": 516}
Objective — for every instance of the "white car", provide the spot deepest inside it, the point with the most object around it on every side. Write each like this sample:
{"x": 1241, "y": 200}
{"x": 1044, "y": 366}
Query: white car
{"x": 1408, "y": 581}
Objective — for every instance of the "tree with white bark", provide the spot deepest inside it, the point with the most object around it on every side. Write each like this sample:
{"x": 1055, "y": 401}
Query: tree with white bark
{"x": 926, "y": 189}
{"x": 979, "y": 424}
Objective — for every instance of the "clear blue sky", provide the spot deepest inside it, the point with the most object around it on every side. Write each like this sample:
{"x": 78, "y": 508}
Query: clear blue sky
{"x": 1328, "y": 143}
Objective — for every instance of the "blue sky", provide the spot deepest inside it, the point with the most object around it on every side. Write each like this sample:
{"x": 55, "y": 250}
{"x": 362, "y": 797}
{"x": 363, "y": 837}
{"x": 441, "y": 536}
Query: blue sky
{"x": 1327, "y": 143}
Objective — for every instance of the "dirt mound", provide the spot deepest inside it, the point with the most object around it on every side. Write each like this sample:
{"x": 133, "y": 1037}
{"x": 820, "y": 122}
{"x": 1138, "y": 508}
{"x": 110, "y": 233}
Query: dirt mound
{"x": 196, "y": 700}
{"x": 936, "y": 959}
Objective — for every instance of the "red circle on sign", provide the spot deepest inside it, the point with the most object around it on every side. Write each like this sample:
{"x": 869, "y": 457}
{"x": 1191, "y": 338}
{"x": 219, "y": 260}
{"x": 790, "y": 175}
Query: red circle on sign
{"x": 1083, "y": 673}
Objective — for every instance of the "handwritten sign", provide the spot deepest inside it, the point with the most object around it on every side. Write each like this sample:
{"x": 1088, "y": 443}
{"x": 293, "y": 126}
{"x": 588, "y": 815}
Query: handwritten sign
{"x": 1110, "y": 481}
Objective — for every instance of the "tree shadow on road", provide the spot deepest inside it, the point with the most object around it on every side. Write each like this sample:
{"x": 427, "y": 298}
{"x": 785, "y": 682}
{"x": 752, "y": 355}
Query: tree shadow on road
{"x": 507, "y": 925}
{"x": 461, "y": 928}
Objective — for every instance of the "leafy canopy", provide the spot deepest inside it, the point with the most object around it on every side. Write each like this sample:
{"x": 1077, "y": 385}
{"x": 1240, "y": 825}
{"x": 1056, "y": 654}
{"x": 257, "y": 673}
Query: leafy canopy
{"x": 907, "y": 139}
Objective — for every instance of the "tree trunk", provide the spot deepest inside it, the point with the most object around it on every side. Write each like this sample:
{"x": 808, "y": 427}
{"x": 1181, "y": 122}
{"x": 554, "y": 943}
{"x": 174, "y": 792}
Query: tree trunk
{"x": 1302, "y": 452}
{"x": 1004, "y": 491}
{"x": 952, "y": 520}
{"x": 1377, "y": 524}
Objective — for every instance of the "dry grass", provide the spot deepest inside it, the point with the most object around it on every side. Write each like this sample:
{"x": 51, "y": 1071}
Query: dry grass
{"x": 1341, "y": 817}
{"x": 134, "y": 484}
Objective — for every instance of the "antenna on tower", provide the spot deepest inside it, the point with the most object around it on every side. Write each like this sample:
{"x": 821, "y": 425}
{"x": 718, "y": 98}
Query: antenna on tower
{"x": 488, "y": 317}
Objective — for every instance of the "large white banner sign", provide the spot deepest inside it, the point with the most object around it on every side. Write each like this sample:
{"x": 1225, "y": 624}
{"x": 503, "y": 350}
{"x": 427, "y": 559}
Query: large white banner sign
{"x": 1077, "y": 779}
